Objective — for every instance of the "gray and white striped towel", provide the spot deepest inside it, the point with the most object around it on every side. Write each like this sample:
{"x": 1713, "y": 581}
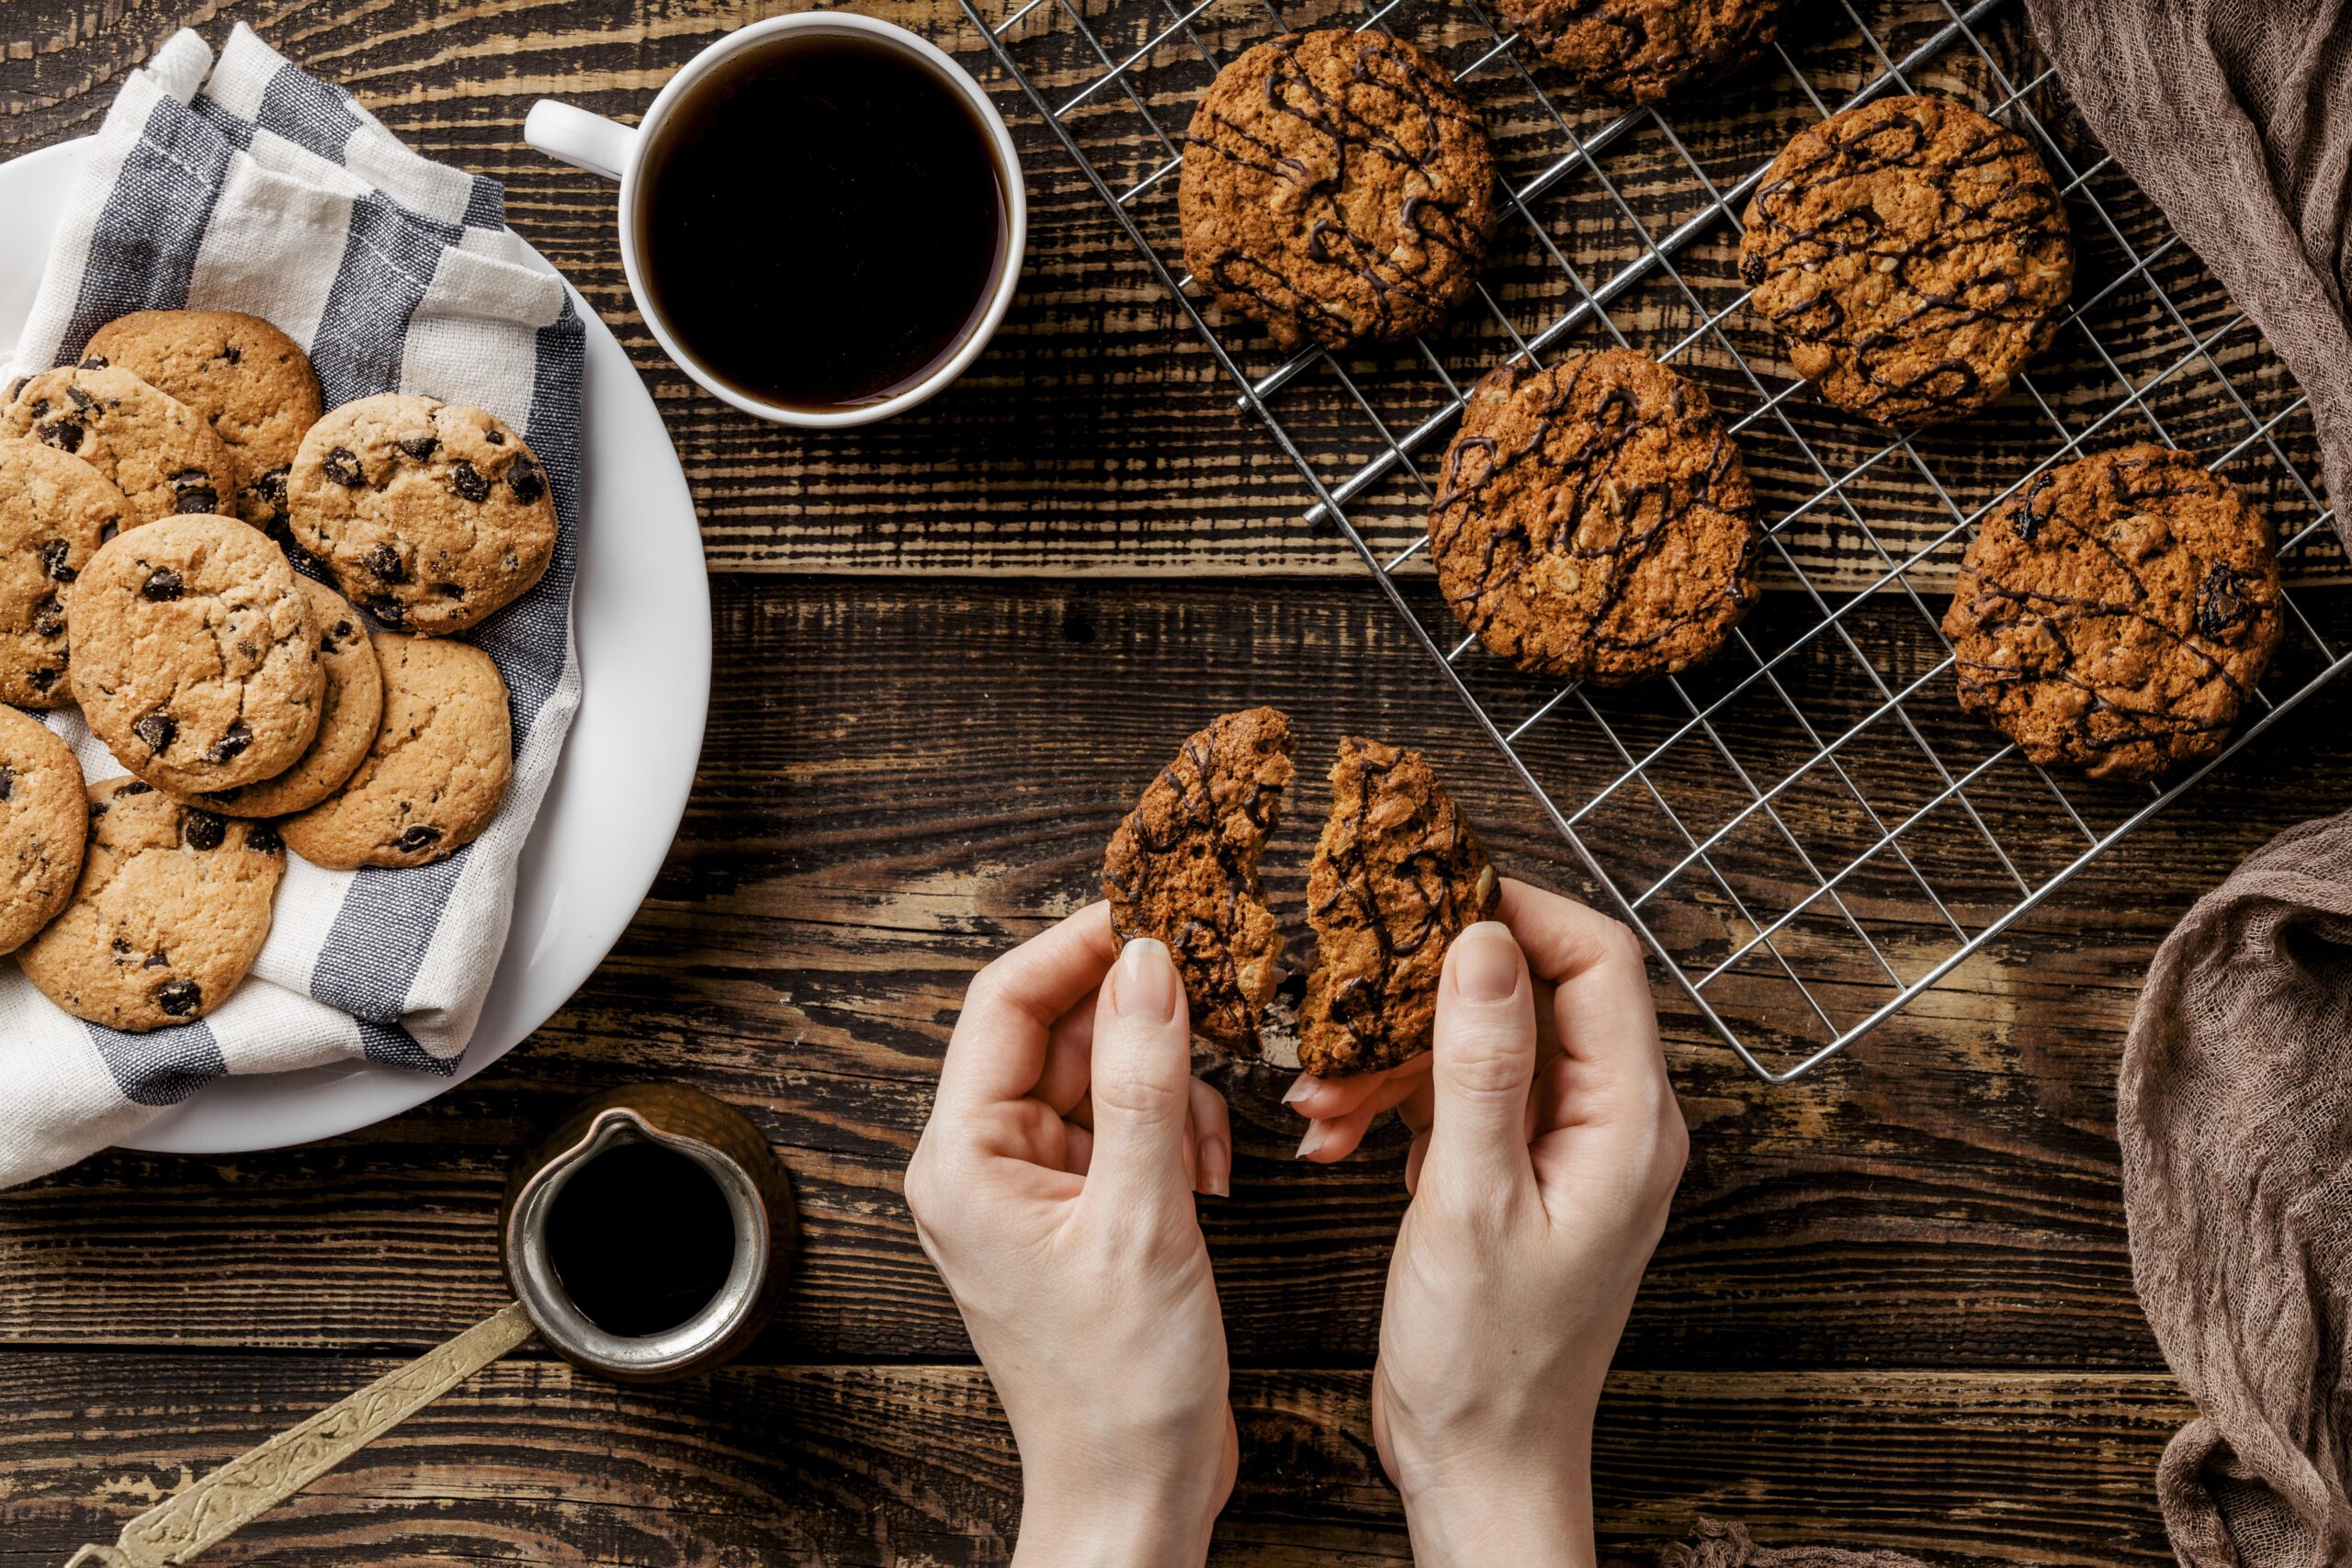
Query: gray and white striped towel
{"x": 247, "y": 184}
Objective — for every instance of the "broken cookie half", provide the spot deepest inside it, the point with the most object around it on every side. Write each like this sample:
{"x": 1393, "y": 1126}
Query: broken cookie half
{"x": 1397, "y": 875}
{"x": 1183, "y": 867}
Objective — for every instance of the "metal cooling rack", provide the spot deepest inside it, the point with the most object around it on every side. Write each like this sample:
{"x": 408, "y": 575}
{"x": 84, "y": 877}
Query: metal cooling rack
{"x": 1806, "y": 832}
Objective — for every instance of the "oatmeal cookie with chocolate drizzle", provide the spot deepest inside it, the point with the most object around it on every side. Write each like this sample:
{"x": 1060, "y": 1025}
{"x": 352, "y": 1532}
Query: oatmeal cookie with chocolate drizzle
{"x": 1183, "y": 867}
{"x": 1913, "y": 254}
{"x": 1397, "y": 876}
{"x": 1338, "y": 187}
{"x": 1593, "y": 521}
{"x": 2116, "y": 613}
{"x": 1645, "y": 51}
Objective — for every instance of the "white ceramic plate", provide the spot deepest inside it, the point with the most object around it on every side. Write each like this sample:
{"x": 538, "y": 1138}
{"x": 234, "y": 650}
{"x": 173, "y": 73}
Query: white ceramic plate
{"x": 641, "y": 615}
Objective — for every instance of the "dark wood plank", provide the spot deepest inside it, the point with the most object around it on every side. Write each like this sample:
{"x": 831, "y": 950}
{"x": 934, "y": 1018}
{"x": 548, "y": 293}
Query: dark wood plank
{"x": 898, "y": 783}
{"x": 899, "y": 1465}
{"x": 1099, "y": 437}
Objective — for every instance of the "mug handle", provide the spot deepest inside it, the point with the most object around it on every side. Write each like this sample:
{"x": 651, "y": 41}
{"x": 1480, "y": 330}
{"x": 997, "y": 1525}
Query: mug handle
{"x": 585, "y": 140}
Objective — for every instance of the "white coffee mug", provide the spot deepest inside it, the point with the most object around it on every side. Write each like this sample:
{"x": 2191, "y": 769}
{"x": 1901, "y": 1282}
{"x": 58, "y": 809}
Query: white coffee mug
{"x": 601, "y": 146}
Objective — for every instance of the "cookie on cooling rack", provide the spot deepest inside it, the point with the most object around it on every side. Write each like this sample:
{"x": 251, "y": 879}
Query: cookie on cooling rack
{"x": 2117, "y": 614}
{"x": 1182, "y": 866}
{"x": 1646, "y": 51}
{"x": 1397, "y": 875}
{"x": 1338, "y": 187}
{"x": 1913, "y": 254}
{"x": 1593, "y": 521}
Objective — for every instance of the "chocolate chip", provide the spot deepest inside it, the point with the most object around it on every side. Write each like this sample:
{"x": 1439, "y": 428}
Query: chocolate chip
{"x": 79, "y": 399}
{"x": 449, "y": 589}
{"x": 136, "y": 786}
{"x": 18, "y": 387}
{"x": 342, "y": 633}
{"x": 496, "y": 438}
{"x": 95, "y": 362}
{"x": 158, "y": 959}
{"x": 239, "y": 736}
{"x": 418, "y": 837}
{"x": 43, "y": 680}
{"x": 341, "y": 466}
{"x": 419, "y": 446}
{"x": 388, "y": 610}
{"x": 468, "y": 482}
{"x": 8, "y": 781}
{"x": 233, "y": 354}
{"x": 196, "y": 498}
{"x": 98, "y": 809}
{"x": 262, "y": 837}
{"x": 527, "y": 483}
{"x": 121, "y": 950}
{"x": 178, "y": 998}
{"x": 53, "y": 562}
{"x": 2221, "y": 601}
{"x": 65, "y": 434}
{"x": 203, "y": 830}
{"x": 48, "y": 616}
{"x": 384, "y": 563}
{"x": 156, "y": 730}
{"x": 1751, "y": 270}
{"x": 162, "y": 586}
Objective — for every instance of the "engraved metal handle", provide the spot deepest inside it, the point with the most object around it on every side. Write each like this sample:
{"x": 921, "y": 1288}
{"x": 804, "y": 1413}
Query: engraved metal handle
{"x": 246, "y": 1487}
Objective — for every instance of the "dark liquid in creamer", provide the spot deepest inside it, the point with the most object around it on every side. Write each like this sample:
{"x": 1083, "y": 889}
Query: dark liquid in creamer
{"x": 641, "y": 1238}
{"x": 823, "y": 223}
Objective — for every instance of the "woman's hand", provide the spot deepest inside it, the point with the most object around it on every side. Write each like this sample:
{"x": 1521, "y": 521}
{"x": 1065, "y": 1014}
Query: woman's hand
{"x": 1546, "y": 1149}
{"x": 1053, "y": 1190}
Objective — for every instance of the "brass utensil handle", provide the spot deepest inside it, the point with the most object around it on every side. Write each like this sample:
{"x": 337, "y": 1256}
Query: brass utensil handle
{"x": 248, "y": 1486}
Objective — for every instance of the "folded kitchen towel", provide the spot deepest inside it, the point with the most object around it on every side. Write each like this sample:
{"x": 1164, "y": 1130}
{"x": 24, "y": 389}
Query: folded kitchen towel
{"x": 247, "y": 184}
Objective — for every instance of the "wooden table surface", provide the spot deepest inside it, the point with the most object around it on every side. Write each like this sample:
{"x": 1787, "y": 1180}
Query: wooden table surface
{"x": 1894, "y": 1307}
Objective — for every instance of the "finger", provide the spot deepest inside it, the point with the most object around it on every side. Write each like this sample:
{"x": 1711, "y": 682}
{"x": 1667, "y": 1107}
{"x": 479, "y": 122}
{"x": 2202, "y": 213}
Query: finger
{"x": 1070, "y": 1049}
{"x": 998, "y": 1052}
{"x": 1414, "y": 1160}
{"x": 1601, "y": 1003}
{"x": 1213, "y": 1143}
{"x": 1337, "y": 1138}
{"x": 1320, "y": 1099}
{"x": 1077, "y": 1147}
{"x": 1485, "y": 1048}
{"x": 1142, "y": 1076}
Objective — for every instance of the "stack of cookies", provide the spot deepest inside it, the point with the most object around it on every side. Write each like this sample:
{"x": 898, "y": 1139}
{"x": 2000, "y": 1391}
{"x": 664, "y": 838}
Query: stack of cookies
{"x": 254, "y": 602}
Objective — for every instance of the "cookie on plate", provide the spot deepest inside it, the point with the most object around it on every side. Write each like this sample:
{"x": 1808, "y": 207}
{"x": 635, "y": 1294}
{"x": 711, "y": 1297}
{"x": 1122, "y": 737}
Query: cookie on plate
{"x": 147, "y": 443}
{"x": 196, "y": 655}
{"x": 1183, "y": 867}
{"x": 1913, "y": 254}
{"x": 1643, "y": 51}
{"x": 1397, "y": 875}
{"x": 43, "y": 826}
{"x": 1593, "y": 521}
{"x": 1336, "y": 187}
{"x": 430, "y": 516}
{"x": 2116, "y": 613}
{"x": 350, "y": 713}
{"x": 171, "y": 910}
{"x": 249, "y": 381}
{"x": 436, "y": 772}
{"x": 55, "y": 511}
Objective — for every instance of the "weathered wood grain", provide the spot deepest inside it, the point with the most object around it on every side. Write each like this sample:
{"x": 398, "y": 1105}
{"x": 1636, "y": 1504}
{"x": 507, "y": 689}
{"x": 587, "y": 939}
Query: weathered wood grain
{"x": 1098, "y": 436}
{"x": 900, "y": 782}
{"x": 902, "y": 1465}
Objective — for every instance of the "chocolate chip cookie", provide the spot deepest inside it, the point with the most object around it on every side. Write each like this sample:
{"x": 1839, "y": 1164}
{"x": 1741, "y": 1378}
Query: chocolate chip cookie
{"x": 350, "y": 713}
{"x": 429, "y": 515}
{"x": 1397, "y": 875}
{"x": 171, "y": 910}
{"x": 43, "y": 826}
{"x": 1913, "y": 254}
{"x": 1338, "y": 187}
{"x": 196, "y": 655}
{"x": 55, "y": 511}
{"x": 2116, "y": 613}
{"x": 1183, "y": 867}
{"x": 1593, "y": 521}
{"x": 249, "y": 381}
{"x": 1643, "y": 51}
{"x": 147, "y": 443}
{"x": 436, "y": 772}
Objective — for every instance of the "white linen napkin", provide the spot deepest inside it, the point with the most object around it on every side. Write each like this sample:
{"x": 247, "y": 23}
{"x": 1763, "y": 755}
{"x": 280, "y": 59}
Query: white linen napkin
{"x": 248, "y": 185}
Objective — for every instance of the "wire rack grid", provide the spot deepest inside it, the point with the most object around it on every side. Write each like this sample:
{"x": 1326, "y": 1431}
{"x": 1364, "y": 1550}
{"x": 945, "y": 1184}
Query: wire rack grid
{"x": 1805, "y": 831}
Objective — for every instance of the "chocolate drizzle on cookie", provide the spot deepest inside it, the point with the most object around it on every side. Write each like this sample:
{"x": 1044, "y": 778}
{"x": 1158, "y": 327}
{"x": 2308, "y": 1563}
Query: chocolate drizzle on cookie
{"x": 2117, "y": 614}
{"x": 1338, "y": 187}
{"x": 1646, "y": 51}
{"x": 1914, "y": 254}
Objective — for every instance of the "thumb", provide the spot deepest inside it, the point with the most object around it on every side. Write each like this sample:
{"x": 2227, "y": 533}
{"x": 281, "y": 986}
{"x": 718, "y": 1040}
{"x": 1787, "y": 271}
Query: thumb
{"x": 1142, "y": 1073}
{"x": 1484, "y": 1045}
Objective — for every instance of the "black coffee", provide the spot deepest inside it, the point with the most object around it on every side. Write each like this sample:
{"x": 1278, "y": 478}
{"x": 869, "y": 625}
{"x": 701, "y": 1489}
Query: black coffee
{"x": 822, "y": 222}
{"x": 641, "y": 1238}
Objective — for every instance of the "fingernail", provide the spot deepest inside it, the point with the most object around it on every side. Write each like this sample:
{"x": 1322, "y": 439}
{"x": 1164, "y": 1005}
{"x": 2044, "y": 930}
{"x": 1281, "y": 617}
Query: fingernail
{"x": 1216, "y": 1168}
{"x": 1312, "y": 1142}
{"x": 1485, "y": 962}
{"x": 1145, "y": 988}
{"x": 1308, "y": 1084}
